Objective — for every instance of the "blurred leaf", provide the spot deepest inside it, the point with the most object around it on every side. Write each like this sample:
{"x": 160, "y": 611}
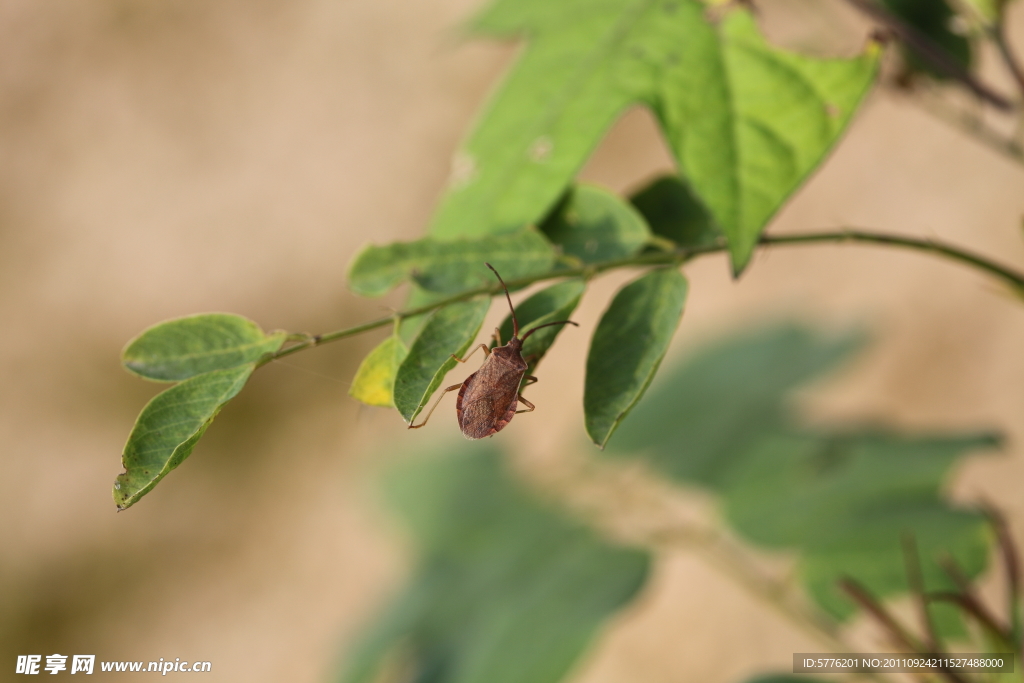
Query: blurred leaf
{"x": 448, "y": 330}
{"x": 672, "y": 211}
{"x": 506, "y": 589}
{"x": 746, "y": 122}
{"x": 168, "y": 428}
{"x": 628, "y": 345}
{"x": 724, "y": 399}
{"x": 842, "y": 500}
{"x": 933, "y": 19}
{"x": 594, "y": 225}
{"x": 374, "y": 383}
{"x": 845, "y": 501}
{"x": 450, "y": 267}
{"x": 786, "y": 678}
{"x": 556, "y": 302}
{"x": 185, "y": 347}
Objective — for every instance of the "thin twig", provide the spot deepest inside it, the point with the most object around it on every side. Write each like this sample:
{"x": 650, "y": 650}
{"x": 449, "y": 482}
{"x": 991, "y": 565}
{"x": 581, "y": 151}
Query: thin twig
{"x": 1011, "y": 277}
{"x": 912, "y": 562}
{"x": 860, "y": 595}
{"x": 1011, "y": 566}
{"x": 713, "y": 547}
{"x": 899, "y": 635}
{"x": 969, "y": 604}
{"x": 926, "y": 49}
{"x": 963, "y": 583}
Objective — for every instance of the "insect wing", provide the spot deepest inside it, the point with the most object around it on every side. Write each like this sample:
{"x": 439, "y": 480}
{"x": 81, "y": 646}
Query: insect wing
{"x": 487, "y": 400}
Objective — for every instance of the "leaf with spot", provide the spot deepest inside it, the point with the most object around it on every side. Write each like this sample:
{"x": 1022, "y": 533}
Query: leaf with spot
{"x": 169, "y": 427}
{"x": 746, "y": 122}
{"x": 551, "y": 304}
{"x": 506, "y": 589}
{"x": 628, "y": 346}
{"x": 374, "y": 383}
{"x": 592, "y": 224}
{"x": 450, "y": 267}
{"x": 448, "y": 330}
{"x": 185, "y": 347}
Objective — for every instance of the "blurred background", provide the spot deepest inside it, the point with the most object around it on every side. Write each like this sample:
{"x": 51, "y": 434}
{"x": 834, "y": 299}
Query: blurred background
{"x": 167, "y": 158}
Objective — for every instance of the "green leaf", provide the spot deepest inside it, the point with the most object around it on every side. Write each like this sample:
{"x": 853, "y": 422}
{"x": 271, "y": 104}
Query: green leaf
{"x": 554, "y": 303}
{"x": 842, "y": 499}
{"x": 593, "y": 224}
{"x": 672, "y": 211}
{"x": 448, "y": 330}
{"x": 409, "y": 328}
{"x": 450, "y": 267}
{"x": 746, "y": 122}
{"x": 506, "y": 589}
{"x": 628, "y": 345}
{"x": 185, "y": 347}
{"x": 847, "y": 500}
{"x": 726, "y": 398}
{"x": 168, "y": 428}
{"x": 374, "y": 383}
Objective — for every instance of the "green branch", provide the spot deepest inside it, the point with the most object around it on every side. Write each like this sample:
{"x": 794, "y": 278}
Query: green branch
{"x": 677, "y": 257}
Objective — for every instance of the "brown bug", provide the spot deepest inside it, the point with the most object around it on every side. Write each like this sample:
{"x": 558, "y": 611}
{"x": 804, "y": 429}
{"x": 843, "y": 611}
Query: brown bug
{"x": 489, "y": 397}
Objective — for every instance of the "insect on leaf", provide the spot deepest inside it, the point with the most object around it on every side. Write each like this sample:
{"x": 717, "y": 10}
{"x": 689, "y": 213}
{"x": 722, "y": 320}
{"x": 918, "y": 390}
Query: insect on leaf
{"x": 374, "y": 383}
{"x": 168, "y": 428}
{"x": 185, "y": 347}
{"x": 628, "y": 346}
{"x": 551, "y": 304}
{"x": 449, "y": 267}
{"x": 448, "y": 330}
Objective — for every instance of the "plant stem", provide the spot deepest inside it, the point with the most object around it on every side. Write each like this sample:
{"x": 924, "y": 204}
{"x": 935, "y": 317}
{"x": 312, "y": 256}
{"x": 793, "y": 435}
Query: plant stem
{"x": 1013, "y": 278}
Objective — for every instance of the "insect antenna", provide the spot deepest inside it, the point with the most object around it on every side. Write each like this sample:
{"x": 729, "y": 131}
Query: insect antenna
{"x": 515, "y": 323}
{"x": 559, "y": 322}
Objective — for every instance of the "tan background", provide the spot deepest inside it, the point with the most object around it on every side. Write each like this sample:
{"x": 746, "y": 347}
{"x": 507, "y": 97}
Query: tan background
{"x": 164, "y": 158}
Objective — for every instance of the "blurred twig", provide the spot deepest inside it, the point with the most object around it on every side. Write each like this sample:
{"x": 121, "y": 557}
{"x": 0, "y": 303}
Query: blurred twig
{"x": 903, "y": 638}
{"x": 915, "y": 580}
{"x": 715, "y": 548}
{"x": 1011, "y": 566}
{"x": 926, "y": 49}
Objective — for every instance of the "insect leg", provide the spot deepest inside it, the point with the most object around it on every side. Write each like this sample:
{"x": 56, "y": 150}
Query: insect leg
{"x": 431, "y": 411}
{"x": 527, "y": 381}
{"x": 497, "y": 336}
{"x": 526, "y": 403}
{"x": 487, "y": 352}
